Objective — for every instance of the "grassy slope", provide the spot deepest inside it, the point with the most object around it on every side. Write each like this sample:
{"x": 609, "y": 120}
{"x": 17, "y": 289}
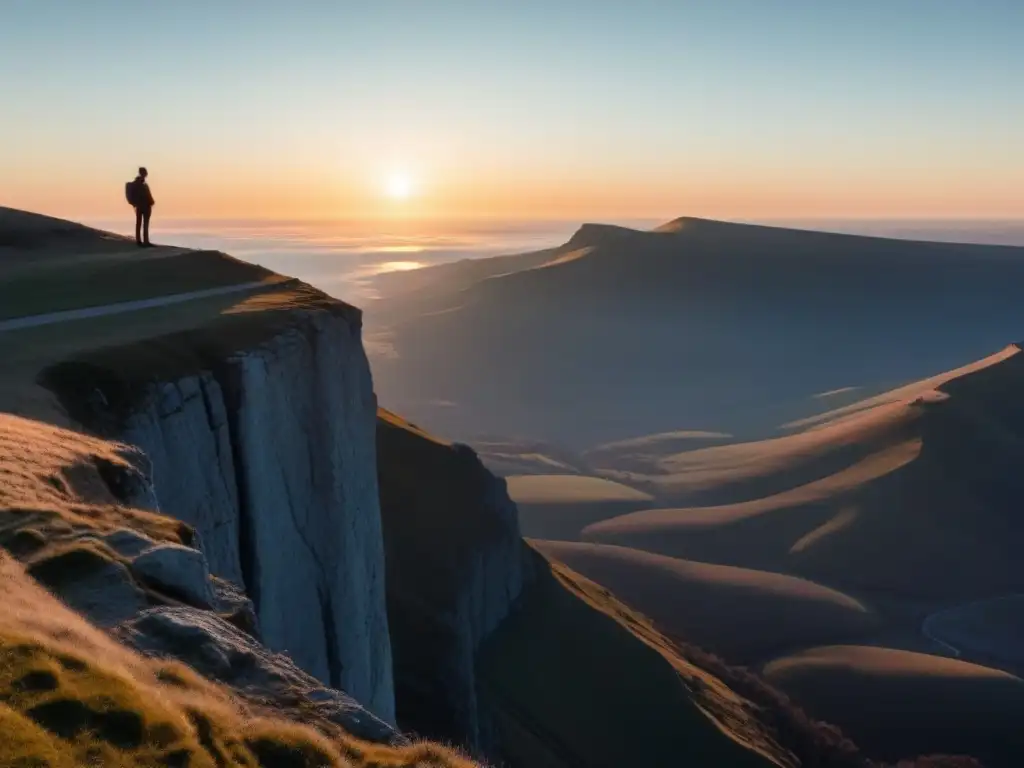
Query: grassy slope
{"x": 577, "y": 679}
{"x": 740, "y": 614}
{"x": 72, "y": 697}
{"x": 69, "y": 694}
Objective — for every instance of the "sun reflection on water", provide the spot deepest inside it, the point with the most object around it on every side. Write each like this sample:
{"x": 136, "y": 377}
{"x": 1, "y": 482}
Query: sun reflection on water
{"x": 398, "y": 266}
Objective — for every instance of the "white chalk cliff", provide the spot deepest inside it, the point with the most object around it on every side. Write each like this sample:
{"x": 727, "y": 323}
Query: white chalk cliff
{"x": 269, "y": 452}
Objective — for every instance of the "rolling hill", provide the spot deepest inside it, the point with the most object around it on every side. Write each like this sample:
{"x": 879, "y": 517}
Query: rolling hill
{"x": 739, "y": 614}
{"x": 914, "y": 493}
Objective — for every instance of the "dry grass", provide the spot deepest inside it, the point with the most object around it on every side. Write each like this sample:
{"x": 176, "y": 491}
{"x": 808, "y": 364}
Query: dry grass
{"x": 71, "y": 698}
{"x": 70, "y": 695}
{"x": 51, "y": 485}
{"x": 397, "y": 421}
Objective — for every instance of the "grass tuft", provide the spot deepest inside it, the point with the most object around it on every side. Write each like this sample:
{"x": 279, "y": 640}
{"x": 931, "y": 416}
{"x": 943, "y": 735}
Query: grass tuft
{"x": 71, "y": 563}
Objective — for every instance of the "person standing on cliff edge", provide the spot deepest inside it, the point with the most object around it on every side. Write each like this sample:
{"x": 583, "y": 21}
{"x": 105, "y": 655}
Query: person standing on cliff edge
{"x": 141, "y": 199}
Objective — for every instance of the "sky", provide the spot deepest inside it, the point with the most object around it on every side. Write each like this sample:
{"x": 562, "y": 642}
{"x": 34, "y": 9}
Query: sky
{"x": 563, "y": 109}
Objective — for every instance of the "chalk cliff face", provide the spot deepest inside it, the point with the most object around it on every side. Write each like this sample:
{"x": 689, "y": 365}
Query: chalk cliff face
{"x": 455, "y": 566}
{"x": 261, "y": 436}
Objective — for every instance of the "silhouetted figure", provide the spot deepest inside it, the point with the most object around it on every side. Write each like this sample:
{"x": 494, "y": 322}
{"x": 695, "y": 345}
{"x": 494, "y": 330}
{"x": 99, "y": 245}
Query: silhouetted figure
{"x": 142, "y": 200}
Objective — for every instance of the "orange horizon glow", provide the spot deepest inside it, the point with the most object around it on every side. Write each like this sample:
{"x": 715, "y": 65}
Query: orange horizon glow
{"x": 471, "y": 111}
{"x": 792, "y": 195}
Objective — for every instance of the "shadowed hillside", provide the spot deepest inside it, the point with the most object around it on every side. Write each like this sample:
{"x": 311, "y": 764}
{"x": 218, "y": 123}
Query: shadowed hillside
{"x": 700, "y": 325}
{"x": 939, "y": 704}
{"x": 740, "y": 614}
{"x": 574, "y": 676}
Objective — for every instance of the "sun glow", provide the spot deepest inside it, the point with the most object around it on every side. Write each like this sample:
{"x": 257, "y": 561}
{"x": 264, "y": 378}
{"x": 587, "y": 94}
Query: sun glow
{"x": 399, "y": 266}
{"x": 399, "y": 186}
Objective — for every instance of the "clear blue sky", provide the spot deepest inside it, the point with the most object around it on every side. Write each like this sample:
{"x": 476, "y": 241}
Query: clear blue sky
{"x": 729, "y": 107}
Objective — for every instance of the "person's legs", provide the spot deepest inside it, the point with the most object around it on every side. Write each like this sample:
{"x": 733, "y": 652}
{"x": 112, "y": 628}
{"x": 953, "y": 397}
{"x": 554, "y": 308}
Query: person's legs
{"x": 138, "y": 226}
{"x": 145, "y": 225}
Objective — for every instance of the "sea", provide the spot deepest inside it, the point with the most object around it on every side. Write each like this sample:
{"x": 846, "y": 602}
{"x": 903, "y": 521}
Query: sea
{"x": 343, "y": 257}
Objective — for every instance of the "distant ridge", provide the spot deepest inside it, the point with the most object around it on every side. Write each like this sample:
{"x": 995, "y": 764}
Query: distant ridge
{"x": 696, "y": 325}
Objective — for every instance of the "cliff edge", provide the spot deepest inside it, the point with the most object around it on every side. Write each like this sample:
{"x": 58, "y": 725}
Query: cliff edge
{"x": 259, "y": 429}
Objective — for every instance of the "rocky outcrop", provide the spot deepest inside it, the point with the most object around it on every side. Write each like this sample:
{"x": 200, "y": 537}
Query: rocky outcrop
{"x": 221, "y": 652}
{"x": 259, "y": 432}
{"x": 177, "y": 570}
{"x": 455, "y": 566}
{"x": 139, "y": 577}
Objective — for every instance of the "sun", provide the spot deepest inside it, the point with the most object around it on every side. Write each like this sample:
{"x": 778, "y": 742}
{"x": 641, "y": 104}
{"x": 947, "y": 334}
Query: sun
{"x": 399, "y": 186}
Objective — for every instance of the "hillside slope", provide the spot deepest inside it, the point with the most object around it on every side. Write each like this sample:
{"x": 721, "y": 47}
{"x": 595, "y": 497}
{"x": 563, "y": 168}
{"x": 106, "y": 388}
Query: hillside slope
{"x": 702, "y": 325}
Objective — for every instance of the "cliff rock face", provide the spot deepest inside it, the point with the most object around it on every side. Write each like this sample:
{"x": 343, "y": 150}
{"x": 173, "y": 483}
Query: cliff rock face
{"x": 455, "y": 566}
{"x": 262, "y": 438}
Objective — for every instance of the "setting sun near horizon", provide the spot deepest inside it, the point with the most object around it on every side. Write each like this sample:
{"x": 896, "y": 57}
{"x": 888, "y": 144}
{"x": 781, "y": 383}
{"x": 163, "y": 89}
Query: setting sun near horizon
{"x": 399, "y": 186}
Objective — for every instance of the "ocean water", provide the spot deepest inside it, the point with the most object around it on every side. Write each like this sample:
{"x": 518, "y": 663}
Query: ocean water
{"x": 343, "y": 257}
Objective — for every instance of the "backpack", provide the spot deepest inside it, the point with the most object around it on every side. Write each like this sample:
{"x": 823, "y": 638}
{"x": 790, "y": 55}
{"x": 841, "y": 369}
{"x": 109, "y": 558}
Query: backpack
{"x": 130, "y": 193}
